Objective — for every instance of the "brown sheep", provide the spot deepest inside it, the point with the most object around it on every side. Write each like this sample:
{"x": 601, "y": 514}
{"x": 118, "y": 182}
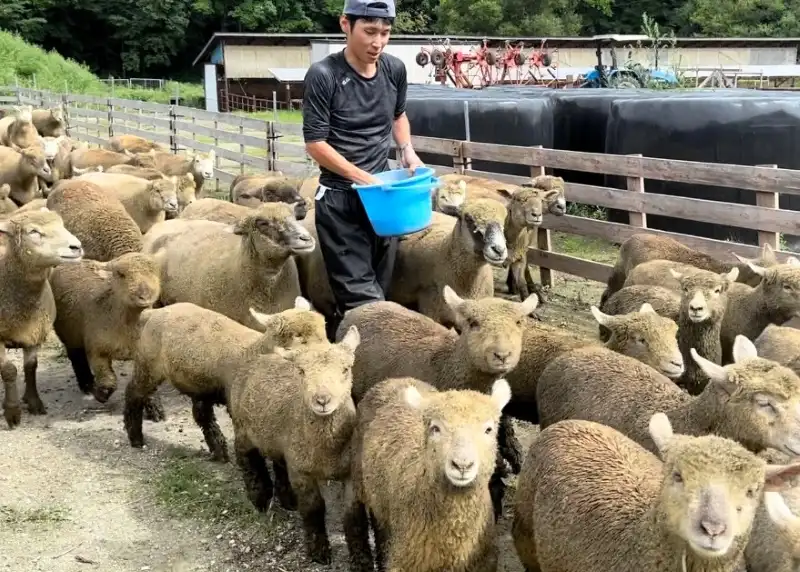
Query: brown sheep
{"x": 780, "y": 344}
{"x": 252, "y": 190}
{"x": 665, "y": 301}
{"x": 197, "y": 349}
{"x": 35, "y": 242}
{"x": 98, "y": 307}
{"x": 752, "y": 401}
{"x": 200, "y": 165}
{"x": 17, "y": 131}
{"x": 146, "y": 201}
{"x": 294, "y": 407}
{"x": 49, "y": 122}
{"x": 84, "y": 157}
{"x": 134, "y": 144}
{"x": 99, "y": 220}
{"x": 230, "y": 269}
{"x": 143, "y": 172}
{"x": 60, "y": 166}
{"x": 591, "y": 500}
{"x": 217, "y": 210}
{"x": 421, "y": 463}
{"x": 21, "y": 169}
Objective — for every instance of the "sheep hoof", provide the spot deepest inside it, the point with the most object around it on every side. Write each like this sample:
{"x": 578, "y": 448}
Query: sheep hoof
{"x": 320, "y": 552}
{"x": 13, "y": 415}
{"x": 286, "y": 498}
{"x": 35, "y": 406}
{"x": 154, "y": 410}
{"x": 102, "y": 394}
{"x": 220, "y": 455}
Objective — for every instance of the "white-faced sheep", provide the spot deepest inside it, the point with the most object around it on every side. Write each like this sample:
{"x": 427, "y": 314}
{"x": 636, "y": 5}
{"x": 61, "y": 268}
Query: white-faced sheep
{"x": 35, "y": 242}
{"x": 146, "y": 201}
{"x": 591, "y": 500}
{"x": 197, "y": 350}
{"x": 99, "y": 220}
{"x": 480, "y": 187}
{"x": 251, "y": 190}
{"x": 98, "y": 306}
{"x": 643, "y": 247}
{"x": 49, "y": 122}
{"x": 421, "y": 464}
{"x": 230, "y": 269}
{"x": 752, "y": 401}
{"x": 21, "y": 169}
{"x": 200, "y": 165}
{"x": 134, "y": 144}
{"x": 295, "y": 406}
{"x": 17, "y": 130}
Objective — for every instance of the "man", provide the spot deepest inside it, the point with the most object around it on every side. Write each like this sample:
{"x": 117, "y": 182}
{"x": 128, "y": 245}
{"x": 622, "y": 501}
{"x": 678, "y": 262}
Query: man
{"x": 353, "y": 105}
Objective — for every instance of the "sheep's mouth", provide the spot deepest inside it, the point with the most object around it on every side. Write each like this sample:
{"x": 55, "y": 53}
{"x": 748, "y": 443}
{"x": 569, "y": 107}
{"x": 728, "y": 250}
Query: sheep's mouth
{"x": 461, "y": 480}
{"x": 534, "y": 220}
{"x": 673, "y": 372}
{"x": 323, "y": 410}
{"x": 302, "y": 245}
{"x": 71, "y": 256}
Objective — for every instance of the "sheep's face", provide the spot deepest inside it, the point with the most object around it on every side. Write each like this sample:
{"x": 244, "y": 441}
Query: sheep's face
{"x": 704, "y": 295}
{"x": 491, "y": 329}
{"x": 780, "y": 285}
{"x": 481, "y": 224}
{"x": 6, "y": 204}
{"x": 645, "y": 336}
{"x": 145, "y": 160}
{"x": 50, "y": 145}
{"x": 295, "y": 327}
{"x": 555, "y": 203}
{"x": 526, "y": 208}
{"x": 34, "y": 161}
{"x": 326, "y": 371}
{"x": 135, "y": 278}
{"x": 285, "y": 191}
{"x": 203, "y": 165}
{"x": 274, "y": 232}
{"x": 460, "y": 432}
{"x": 187, "y": 191}
{"x": 450, "y": 197}
{"x": 57, "y": 114}
{"x": 164, "y": 195}
{"x": 39, "y": 239}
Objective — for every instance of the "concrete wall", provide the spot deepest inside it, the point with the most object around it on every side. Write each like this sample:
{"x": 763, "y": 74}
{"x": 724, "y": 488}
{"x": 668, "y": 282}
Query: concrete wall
{"x": 255, "y": 61}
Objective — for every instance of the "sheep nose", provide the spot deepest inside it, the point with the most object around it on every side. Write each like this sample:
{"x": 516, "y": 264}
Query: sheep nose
{"x": 696, "y": 309}
{"x": 502, "y": 357}
{"x": 76, "y": 248}
{"x": 713, "y": 528}
{"x": 462, "y": 465}
{"x": 322, "y": 400}
{"x": 497, "y": 250}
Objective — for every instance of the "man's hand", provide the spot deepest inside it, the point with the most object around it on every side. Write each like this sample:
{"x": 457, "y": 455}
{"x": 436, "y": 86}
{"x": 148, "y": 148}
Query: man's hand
{"x": 409, "y": 159}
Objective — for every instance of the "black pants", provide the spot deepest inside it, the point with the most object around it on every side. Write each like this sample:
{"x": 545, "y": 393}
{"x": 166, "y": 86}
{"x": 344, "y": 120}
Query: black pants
{"x": 359, "y": 263}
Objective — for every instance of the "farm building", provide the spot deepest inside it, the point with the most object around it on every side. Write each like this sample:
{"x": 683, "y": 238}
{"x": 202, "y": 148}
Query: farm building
{"x": 242, "y": 69}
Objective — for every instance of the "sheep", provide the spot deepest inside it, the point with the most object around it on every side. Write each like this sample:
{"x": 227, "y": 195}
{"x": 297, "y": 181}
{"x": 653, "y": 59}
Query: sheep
{"x": 251, "y": 190}
{"x": 143, "y": 172}
{"x": 35, "y": 242}
{"x": 232, "y": 268}
{"x": 421, "y": 463}
{"x": 751, "y": 400}
{"x": 185, "y": 185}
{"x": 20, "y": 170}
{"x": 589, "y": 499}
{"x": 60, "y": 166}
{"x": 100, "y": 221}
{"x": 146, "y": 201}
{"x": 200, "y": 165}
{"x": 197, "y": 349}
{"x": 643, "y": 247}
{"x": 775, "y": 540}
{"x": 659, "y": 273}
{"x": 665, "y": 301}
{"x": 49, "y": 122}
{"x": 83, "y": 158}
{"x": 308, "y": 189}
{"x": 217, "y": 210}
{"x": 449, "y": 197}
{"x": 479, "y": 187}
{"x": 17, "y": 131}
{"x": 294, "y": 407}
{"x": 7, "y": 206}
{"x": 780, "y": 344}
{"x": 134, "y": 144}
{"x": 775, "y": 300}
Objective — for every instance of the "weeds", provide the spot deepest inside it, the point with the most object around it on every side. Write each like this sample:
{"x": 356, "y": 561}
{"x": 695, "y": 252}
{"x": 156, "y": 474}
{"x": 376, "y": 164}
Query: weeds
{"x": 13, "y": 516}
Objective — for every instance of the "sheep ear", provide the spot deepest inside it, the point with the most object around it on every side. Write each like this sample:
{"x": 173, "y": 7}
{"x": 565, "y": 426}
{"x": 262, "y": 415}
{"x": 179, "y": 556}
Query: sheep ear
{"x": 550, "y": 195}
{"x": 768, "y": 253}
{"x": 5, "y": 190}
{"x": 301, "y": 303}
{"x": 529, "y": 304}
{"x": 743, "y": 349}
{"x": 715, "y": 372}
{"x": 647, "y": 309}
{"x": 732, "y": 275}
{"x": 239, "y": 229}
{"x": 462, "y": 185}
{"x": 452, "y": 299}
{"x": 781, "y": 477}
{"x": 412, "y": 397}
{"x": 263, "y": 319}
{"x": 676, "y": 275}
{"x": 501, "y": 393}
{"x": 660, "y": 432}
{"x": 212, "y": 154}
{"x": 792, "y": 261}
{"x": 603, "y": 319}
{"x": 760, "y": 270}
{"x": 507, "y": 193}
{"x": 5, "y": 227}
{"x": 779, "y": 512}
{"x": 351, "y": 339}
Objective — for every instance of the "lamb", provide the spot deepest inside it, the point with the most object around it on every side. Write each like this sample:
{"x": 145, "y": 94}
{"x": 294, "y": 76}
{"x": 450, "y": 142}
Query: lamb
{"x": 780, "y": 344}
{"x": 49, "y": 122}
{"x": 201, "y": 165}
{"x": 217, "y": 210}
{"x": 61, "y": 167}
{"x": 7, "y": 206}
{"x": 35, "y": 242}
{"x": 83, "y": 158}
{"x": 17, "y": 131}
{"x": 775, "y": 540}
{"x": 20, "y": 170}
{"x": 185, "y": 191}
{"x": 251, "y": 190}
{"x": 230, "y": 269}
{"x": 197, "y": 350}
{"x": 421, "y": 462}
{"x": 591, "y": 500}
{"x": 294, "y": 407}
{"x": 479, "y": 187}
{"x": 143, "y": 172}
{"x": 665, "y": 301}
{"x": 775, "y": 300}
{"x": 134, "y": 144}
{"x": 100, "y": 221}
{"x": 146, "y": 201}
{"x": 643, "y": 247}
{"x": 642, "y": 334}
{"x": 449, "y": 197}
{"x": 751, "y": 400}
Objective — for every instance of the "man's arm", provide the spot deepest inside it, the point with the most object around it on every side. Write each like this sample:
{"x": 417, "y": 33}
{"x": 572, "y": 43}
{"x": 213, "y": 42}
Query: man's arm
{"x": 317, "y": 95}
{"x": 401, "y": 128}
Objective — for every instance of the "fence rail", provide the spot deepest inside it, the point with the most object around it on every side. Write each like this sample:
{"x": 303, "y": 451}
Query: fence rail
{"x": 243, "y": 144}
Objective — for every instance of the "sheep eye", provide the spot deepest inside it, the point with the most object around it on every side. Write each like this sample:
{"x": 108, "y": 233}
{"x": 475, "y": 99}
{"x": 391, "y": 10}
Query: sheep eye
{"x": 751, "y": 492}
{"x": 717, "y": 290}
{"x": 35, "y": 233}
{"x": 489, "y": 430}
{"x": 121, "y": 274}
{"x": 474, "y": 324}
{"x": 642, "y": 341}
{"x": 677, "y": 477}
{"x": 787, "y": 287}
{"x": 434, "y": 429}
{"x": 519, "y": 323}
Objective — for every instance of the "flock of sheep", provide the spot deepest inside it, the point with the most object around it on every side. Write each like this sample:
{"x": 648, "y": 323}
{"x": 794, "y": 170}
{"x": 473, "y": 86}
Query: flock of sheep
{"x": 666, "y": 443}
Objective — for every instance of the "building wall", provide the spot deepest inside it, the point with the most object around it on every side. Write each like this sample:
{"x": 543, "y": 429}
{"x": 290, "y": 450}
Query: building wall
{"x": 255, "y": 61}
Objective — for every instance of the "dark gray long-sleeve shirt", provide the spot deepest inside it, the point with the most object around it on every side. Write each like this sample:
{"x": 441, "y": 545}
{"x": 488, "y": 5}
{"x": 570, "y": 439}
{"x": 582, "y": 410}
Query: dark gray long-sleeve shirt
{"x": 352, "y": 113}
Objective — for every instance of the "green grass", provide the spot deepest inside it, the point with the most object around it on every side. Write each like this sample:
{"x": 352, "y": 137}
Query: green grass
{"x": 40, "y": 515}
{"x": 594, "y": 249}
{"x": 284, "y": 115}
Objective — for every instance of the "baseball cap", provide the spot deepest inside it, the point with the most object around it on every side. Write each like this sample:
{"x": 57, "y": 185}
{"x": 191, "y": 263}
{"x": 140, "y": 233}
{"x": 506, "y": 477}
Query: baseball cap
{"x": 369, "y": 8}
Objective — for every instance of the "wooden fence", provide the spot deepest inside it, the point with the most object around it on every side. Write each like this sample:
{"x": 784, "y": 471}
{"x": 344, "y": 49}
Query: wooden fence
{"x": 244, "y": 144}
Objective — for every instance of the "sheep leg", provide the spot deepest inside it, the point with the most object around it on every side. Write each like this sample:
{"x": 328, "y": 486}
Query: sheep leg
{"x": 80, "y": 365}
{"x": 497, "y": 488}
{"x": 105, "y": 380}
{"x": 203, "y": 412}
{"x": 509, "y": 444}
{"x": 534, "y": 286}
{"x": 312, "y": 508}
{"x": 517, "y": 272}
{"x": 30, "y": 362}
{"x": 356, "y": 532}
{"x": 255, "y": 474}
{"x": 12, "y": 409}
{"x": 511, "y": 283}
{"x": 154, "y": 409}
{"x": 381, "y": 543}
{"x": 283, "y": 488}
{"x": 137, "y": 395}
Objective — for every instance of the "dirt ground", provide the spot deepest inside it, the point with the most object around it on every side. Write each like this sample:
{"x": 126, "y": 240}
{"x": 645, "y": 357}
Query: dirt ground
{"x": 75, "y": 497}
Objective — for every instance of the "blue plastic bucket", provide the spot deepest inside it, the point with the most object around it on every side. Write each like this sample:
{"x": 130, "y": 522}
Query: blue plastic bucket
{"x": 400, "y": 178}
{"x": 398, "y": 209}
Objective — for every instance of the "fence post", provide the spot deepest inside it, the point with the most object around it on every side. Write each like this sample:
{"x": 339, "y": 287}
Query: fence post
{"x": 275, "y": 106}
{"x": 769, "y": 200}
{"x": 173, "y": 130}
{"x": 110, "y": 118}
{"x": 636, "y": 184}
{"x": 544, "y": 240}
{"x": 65, "y": 104}
{"x": 216, "y": 156}
{"x": 467, "y": 162}
{"x": 270, "y": 146}
{"x": 241, "y": 147}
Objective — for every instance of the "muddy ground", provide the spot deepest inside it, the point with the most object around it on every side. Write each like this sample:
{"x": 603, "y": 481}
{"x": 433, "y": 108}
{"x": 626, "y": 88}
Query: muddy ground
{"x": 75, "y": 497}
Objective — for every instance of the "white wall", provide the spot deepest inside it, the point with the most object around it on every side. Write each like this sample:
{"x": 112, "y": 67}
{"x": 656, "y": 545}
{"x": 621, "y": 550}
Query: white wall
{"x": 210, "y": 87}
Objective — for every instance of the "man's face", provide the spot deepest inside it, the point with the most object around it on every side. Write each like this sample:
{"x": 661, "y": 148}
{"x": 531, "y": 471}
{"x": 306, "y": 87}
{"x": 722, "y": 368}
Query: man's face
{"x": 366, "y": 38}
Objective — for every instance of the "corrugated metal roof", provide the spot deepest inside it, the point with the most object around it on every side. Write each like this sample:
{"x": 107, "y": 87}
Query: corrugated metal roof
{"x": 288, "y": 74}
